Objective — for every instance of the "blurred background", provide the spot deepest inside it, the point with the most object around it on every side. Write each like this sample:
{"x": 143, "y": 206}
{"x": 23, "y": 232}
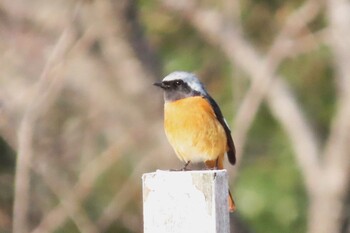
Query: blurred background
{"x": 80, "y": 120}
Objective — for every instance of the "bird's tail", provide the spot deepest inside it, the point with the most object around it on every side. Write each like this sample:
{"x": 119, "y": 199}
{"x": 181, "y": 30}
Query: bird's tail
{"x": 218, "y": 164}
{"x": 231, "y": 202}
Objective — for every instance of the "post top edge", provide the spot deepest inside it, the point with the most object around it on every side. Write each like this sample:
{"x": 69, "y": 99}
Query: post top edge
{"x": 169, "y": 172}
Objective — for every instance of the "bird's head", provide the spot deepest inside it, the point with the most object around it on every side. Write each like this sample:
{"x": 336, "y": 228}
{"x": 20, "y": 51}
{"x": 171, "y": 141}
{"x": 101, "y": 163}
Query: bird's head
{"x": 179, "y": 85}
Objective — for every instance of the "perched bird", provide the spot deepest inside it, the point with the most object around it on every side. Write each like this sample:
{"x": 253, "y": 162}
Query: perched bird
{"x": 194, "y": 124}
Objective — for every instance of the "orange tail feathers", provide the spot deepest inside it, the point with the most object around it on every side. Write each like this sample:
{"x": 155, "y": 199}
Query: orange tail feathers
{"x": 219, "y": 165}
{"x": 231, "y": 202}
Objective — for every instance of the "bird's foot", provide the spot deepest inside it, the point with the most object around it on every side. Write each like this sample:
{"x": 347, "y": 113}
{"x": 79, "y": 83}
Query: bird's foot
{"x": 184, "y": 168}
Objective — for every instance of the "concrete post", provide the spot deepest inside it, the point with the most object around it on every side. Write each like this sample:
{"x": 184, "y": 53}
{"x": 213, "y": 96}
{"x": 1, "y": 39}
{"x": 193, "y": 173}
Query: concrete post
{"x": 185, "y": 202}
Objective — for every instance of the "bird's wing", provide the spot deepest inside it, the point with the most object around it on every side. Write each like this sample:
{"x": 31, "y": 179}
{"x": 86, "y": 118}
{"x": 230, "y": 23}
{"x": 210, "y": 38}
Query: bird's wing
{"x": 231, "y": 153}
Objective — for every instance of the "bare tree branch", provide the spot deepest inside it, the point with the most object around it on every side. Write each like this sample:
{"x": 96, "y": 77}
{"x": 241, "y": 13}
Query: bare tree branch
{"x": 109, "y": 70}
{"x": 279, "y": 98}
{"x": 127, "y": 16}
{"x": 121, "y": 199}
{"x": 46, "y": 90}
{"x": 71, "y": 206}
{"x": 335, "y": 151}
{"x": 57, "y": 216}
{"x": 260, "y": 85}
{"x": 335, "y": 180}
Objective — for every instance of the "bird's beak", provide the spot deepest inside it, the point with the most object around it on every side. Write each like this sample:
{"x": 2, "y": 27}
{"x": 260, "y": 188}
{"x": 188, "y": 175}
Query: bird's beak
{"x": 159, "y": 84}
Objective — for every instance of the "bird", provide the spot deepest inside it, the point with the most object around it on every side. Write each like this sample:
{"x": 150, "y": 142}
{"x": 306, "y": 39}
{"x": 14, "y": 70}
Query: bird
{"x": 194, "y": 124}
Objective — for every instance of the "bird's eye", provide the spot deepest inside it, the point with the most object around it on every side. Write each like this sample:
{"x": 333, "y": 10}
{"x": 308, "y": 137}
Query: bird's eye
{"x": 178, "y": 82}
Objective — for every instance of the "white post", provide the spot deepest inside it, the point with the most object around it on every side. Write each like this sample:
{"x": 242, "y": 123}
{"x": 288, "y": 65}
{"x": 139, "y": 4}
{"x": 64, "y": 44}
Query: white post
{"x": 185, "y": 202}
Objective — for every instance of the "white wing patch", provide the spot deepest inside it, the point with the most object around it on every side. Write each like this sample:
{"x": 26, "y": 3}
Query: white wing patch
{"x": 228, "y": 126}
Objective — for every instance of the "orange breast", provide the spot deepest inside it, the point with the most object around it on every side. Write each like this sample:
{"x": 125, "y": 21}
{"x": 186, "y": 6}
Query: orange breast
{"x": 193, "y": 130}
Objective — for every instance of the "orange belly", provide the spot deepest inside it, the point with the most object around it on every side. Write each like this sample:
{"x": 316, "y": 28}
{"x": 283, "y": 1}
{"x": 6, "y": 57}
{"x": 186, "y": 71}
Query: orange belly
{"x": 193, "y": 130}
